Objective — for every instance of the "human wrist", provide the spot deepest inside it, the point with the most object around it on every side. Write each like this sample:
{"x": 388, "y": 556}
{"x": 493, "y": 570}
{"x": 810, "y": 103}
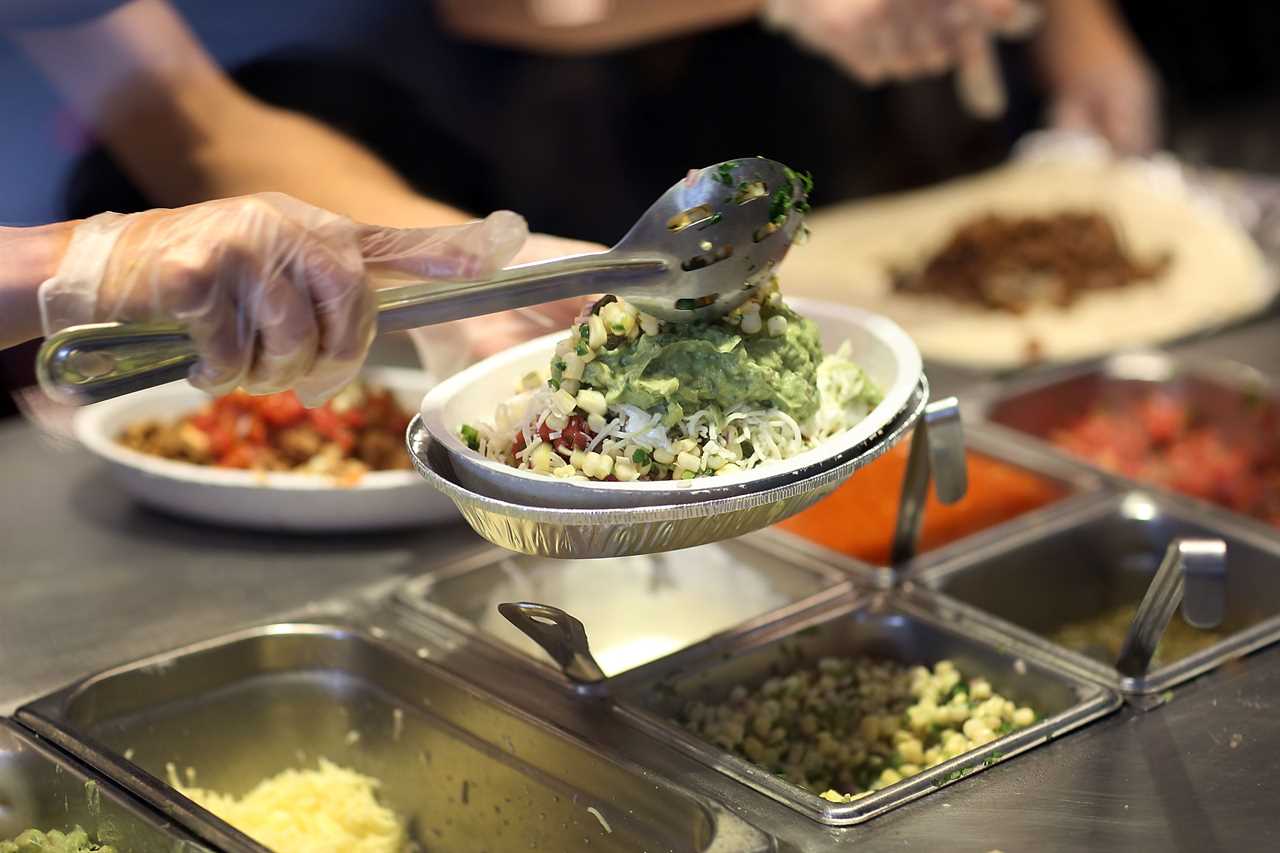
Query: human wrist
{"x": 30, "y": 256}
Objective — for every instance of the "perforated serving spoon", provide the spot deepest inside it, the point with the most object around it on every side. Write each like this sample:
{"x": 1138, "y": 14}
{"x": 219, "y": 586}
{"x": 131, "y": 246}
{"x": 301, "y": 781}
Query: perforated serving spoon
{"x": 696, "y": 253}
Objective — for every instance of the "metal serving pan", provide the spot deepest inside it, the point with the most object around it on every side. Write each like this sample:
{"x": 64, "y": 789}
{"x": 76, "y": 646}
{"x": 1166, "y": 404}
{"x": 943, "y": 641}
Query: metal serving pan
{"x": 43, "y": 789}
{"x": 1084, "y": 563}
{"x": 469, "y": 772}
{"x": 1029, "y": 410}
{"x": 903, "y": 626}
{"x": 769, "y": 573}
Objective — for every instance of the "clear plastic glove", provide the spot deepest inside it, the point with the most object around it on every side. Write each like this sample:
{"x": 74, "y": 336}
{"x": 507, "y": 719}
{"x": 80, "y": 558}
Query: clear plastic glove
{"x": 276, "y": 293}
{"x": 878, "y": 40}
{"x": 449, "y": 347}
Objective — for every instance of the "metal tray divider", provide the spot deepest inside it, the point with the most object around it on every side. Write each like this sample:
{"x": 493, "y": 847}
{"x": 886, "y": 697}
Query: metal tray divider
{"x": 65, "y": 761}
{"x": 919, "y": 604}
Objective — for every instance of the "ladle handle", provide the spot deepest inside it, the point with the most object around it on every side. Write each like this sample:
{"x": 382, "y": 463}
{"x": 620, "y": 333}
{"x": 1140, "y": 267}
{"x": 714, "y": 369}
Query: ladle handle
{"x": 560, "y": 635}
{"x": 86, "y": 364}
{"x": 1198, "y": 563}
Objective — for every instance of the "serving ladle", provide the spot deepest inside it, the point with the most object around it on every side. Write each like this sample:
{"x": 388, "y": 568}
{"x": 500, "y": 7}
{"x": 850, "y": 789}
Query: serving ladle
{"x": 697, "y": 253}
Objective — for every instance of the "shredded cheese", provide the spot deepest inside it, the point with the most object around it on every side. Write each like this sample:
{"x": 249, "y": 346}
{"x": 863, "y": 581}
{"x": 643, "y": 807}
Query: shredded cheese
{"x": 328, "y": 810}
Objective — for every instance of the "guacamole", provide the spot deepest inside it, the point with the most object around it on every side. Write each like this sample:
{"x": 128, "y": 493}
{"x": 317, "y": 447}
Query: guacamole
{"x": 691, "y": 366}
{"x": 53, "y": 841}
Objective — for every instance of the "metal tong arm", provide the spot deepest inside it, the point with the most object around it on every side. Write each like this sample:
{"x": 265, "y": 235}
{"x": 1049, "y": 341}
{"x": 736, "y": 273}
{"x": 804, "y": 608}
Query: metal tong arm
{"x": 85, "y": 364}
{"x": 1197, "y": 563}
{"x": 937, "y": 453}
{"x": 560, "y": 635}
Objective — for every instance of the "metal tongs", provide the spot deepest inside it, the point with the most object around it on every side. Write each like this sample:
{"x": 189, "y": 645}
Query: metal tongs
{"x": 697, "y": 252}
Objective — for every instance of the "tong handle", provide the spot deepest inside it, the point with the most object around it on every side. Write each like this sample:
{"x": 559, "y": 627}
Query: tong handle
{"x": 86, "y": 364}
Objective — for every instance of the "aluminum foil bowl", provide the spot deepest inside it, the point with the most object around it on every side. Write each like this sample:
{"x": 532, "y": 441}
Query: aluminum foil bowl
{"x": 878, "y": 345}
{"x": 727, "y": 512}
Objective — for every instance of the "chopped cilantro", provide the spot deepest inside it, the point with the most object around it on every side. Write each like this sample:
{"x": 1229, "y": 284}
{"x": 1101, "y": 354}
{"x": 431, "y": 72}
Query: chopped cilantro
{"x": 554, "y": 383}
{"x": 780, "y": 205}
{"x": 470, "y": 436}
{"x": 581, "y": 348}
{"x": 584, "y": 331}
{"x": 640, "y": 457}
{"x": 724, "y": 173}
{"x": 558, "y": 365}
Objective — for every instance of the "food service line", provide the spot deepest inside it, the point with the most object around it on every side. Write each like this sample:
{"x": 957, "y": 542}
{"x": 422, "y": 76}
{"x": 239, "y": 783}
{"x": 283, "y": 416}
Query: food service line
{"x": 94, "y": 581}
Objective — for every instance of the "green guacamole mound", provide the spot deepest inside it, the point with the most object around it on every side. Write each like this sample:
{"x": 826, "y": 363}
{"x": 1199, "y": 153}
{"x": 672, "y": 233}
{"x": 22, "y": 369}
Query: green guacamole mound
{"x": 691, "y": 366}
{"x": 53, "y": 841}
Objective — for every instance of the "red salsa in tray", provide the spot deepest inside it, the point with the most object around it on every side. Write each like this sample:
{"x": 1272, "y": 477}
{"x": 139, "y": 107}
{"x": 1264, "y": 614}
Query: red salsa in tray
{"x": 1229, "y": 456}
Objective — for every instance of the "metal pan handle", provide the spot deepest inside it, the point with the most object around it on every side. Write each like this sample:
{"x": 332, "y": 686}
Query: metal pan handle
{"x": 560, "y": 635}
{"x": 1198, "y": 565}
{"x": 937, "y": 455}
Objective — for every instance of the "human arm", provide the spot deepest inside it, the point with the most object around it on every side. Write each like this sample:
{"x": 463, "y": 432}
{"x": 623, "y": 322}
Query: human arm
{"x": 1097, "y": 76}
{"x": 570, "y": 27}
{"x": 184, "y": 132}
{"x": 29, "y": 256}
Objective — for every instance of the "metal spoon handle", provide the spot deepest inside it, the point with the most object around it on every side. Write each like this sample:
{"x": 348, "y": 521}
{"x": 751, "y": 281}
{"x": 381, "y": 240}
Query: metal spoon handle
{"x": 85, "y": 364}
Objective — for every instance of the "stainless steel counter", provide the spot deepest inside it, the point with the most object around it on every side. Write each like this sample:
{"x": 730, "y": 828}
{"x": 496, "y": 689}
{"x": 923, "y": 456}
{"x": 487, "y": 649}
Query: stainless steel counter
{"x": 90, "y": 580}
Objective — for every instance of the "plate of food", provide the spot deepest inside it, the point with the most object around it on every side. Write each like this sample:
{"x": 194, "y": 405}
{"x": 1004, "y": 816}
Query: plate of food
{"x": 1065, "y": 253}
{"x": 622, "y": 410}
{"x": 266, "y": 462}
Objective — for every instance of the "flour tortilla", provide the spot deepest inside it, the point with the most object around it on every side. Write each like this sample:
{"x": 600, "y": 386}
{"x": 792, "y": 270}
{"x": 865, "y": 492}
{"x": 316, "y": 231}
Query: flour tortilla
{"x": 1217, "y": 274}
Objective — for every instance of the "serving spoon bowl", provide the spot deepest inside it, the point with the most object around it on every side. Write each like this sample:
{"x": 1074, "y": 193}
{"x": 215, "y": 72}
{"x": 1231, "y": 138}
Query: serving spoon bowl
{"x": 698, "y": 252}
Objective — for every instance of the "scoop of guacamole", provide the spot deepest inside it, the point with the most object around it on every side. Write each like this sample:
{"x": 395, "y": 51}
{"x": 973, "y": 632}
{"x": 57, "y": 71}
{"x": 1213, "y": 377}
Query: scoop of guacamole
{"x": 53, "y": 841}
{"x": 691, "y": 366}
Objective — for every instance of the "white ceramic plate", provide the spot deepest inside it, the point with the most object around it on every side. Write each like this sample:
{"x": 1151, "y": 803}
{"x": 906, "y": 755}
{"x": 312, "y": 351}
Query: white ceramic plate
{"x": 879, "y": 346}
{"x": 298, "y": 503}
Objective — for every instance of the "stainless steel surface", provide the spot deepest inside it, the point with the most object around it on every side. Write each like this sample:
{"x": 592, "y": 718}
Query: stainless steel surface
{"x": 774, "y": 573}
{"x": 466, "y": 770}
{"x": 586, "y": 533}
{"x": 1102, "y": 555}
{"x": 91, "y": 579}
{"x": 697, "y": 252}
{"x": 43, "y": 789}
{"x": 1198, "y": 563}
{"x": 905, "y": 628}
{"x": 937, "y": 456}
{"x": 560, "y": 635}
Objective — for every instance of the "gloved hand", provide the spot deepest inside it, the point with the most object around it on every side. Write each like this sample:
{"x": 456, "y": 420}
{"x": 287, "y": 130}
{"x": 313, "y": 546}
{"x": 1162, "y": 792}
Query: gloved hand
{"x": 449, "y": 347}
{"x": 276, "y": 293}
{"x": 877, "y": 40}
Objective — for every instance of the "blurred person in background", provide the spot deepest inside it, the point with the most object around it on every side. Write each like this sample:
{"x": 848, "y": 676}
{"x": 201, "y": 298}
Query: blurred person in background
{"x": 576, "y": 112}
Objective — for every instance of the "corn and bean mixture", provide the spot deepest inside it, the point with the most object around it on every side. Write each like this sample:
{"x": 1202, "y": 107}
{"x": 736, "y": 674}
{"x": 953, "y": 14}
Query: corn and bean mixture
{"x": 850, "y": 726}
